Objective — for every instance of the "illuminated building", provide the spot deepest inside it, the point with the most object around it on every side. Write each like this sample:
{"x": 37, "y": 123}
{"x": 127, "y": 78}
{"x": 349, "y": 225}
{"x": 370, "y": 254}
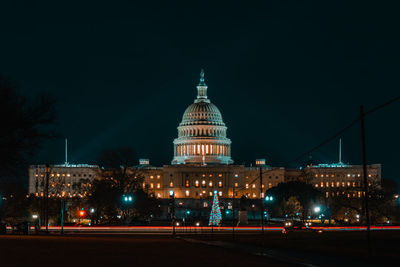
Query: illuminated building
{"x": 202, "y": 133}
{"x": 202, "y": 164}
{"x": 65, "y": 180}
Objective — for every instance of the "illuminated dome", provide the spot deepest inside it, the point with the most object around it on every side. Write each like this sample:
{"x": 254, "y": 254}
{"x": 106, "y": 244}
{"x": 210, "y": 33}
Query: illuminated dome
{"x": 202, "y": 133}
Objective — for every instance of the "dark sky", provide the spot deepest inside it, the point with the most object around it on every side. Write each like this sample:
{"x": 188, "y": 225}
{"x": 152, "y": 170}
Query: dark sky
{"x": 285, "y": 75}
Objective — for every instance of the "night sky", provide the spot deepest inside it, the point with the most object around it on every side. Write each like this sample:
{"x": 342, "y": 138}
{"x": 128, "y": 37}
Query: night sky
{"x": 285, "y": 75}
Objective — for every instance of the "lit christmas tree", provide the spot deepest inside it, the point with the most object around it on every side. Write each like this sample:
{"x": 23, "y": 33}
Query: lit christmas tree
{"x": 215, "y": 215}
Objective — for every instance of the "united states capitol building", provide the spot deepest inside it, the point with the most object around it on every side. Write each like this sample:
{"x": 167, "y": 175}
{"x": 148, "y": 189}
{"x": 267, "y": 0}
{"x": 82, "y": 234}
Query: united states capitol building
{"x": 202, "y": 165}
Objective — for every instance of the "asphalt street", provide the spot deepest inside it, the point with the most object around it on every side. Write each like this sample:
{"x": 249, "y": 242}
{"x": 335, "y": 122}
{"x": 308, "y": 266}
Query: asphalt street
{"x": 118, "y": 250}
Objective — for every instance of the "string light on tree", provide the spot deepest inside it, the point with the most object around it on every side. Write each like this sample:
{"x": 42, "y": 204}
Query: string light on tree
{"x": 215, "y": 215}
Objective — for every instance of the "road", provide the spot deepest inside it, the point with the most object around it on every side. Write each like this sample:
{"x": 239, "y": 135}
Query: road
{"x": 118, "y": 250}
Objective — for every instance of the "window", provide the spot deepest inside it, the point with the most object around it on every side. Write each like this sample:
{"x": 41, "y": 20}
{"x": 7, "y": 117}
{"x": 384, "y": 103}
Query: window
{"x": 220, "y": 193}
{"x": 158, "y": 176}
{"x": 210, "y": 193}
{"x": 171, "y": 184}
{"x": 322, "y": 184}
{"x": 210, "y": 184}
{"x": 151, "y": 177}
{"x": 151, "y": 185}
{"x": 332, "y": 184}
{"x": 196, "y": 183}
{"x": 203, "y": 183}
{"x": 316, "y": 185}
{"x": 236, "y": 175}
{"x": 342, "y": 184}
{"x": 220, "y": 184}
{"x": 187, "y": 193}
{"x": 254, "y": 195}
{"x": 236, "y": 184}
{"x": 187, "y": 184}
{"x": 205, "y": 204}
{"x": 158, "y": 185}
{"x": 247, "y": 186}
{"x": 254, "y": 186}
{"x": 220, "y": 175}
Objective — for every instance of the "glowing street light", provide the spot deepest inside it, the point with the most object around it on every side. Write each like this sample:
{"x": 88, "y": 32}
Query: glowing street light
{"x": 317, "y": 209}
{"x": 128, "y": 198}
{"x": 269, "y": 198}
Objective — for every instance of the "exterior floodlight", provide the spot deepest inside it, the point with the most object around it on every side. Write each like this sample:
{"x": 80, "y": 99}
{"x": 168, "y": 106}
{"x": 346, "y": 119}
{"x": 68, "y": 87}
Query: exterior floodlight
{"x": 34, "y": 216}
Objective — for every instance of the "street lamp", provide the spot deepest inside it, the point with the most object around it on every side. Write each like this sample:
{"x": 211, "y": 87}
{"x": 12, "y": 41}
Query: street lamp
{"x": 172, "y": 206}
{"x": 268, "y": 199}
{"x": 128, "y": 198}
{"x": 317, "y": 209}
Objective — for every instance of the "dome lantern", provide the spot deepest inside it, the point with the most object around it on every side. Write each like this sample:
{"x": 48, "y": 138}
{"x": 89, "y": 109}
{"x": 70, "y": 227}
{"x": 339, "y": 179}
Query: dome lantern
{"x": 202, "y": 90}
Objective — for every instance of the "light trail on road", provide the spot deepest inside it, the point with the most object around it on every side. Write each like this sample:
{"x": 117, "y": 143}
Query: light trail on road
{"x": 200, "y": 229}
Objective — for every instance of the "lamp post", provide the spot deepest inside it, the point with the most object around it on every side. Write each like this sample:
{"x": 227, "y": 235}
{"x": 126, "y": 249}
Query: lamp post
{"x": 172, "y": 205}
{"x": 233, "y": 211}
{"x": 268, "y": 199}
{"x": 62, "y": 214}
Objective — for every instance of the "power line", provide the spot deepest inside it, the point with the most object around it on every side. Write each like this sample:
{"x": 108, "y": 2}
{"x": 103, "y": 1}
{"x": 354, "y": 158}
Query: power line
{"x": 354, "y": 122}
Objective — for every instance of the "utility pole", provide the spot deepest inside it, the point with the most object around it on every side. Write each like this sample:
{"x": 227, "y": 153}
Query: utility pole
{"x": 262, "y": 203}
{"x": 46, "y": 197}
{"x": 366, "y": 195}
